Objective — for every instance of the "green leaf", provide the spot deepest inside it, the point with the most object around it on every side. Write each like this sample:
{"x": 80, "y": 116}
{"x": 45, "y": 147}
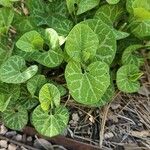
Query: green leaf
{"x": 107, "y": 43}
{"x": 86, "y": 5}
{"x": 26, "y": 100}
{"x": 5, "y": 53}
{"x": 51, "y": 58}
{"x": 35, "y": 83}
{"x": 49, "y": 124}
{"x": 109, "y": 13}
{"x": 30, "y": 41}
{"x": 124, "y": 80}
{"x": 6, "y": 18}
{"x": 120, "y": 35}
{"x": 87, "y": 87}
{"x": 141, "y": 29}
{"x": 7, "y": 3}
{"x": 12, "y": 70}
{"x": 113, "y": 1}
{"x": 81, "y": 43}
{"x": 71, "y": 5}
{"x": 107, "y": 97}
{"x": 4, "y": 101}
{"x": 49, "y": 96}
{"x": 52, "y": 38}
{"x": 141, "y": 13}
{"x": 131, "y": 56}
{"x": 10, "y": 90}
{"x": 15, "y": 117}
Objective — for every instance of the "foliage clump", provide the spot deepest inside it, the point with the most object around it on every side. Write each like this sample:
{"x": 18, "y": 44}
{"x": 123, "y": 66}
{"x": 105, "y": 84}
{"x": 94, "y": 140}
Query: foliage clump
{"x": 85, "y": 48}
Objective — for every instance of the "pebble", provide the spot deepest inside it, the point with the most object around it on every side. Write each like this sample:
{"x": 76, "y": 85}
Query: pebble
{"x": 11, "y": 134}
{"x": 18, "y": 137}
{"x": 2, "y": 148}
{"x": 12, "y": 147}
{"x": 108, "y": 135}
{"x": 3, "y": 129}
{"x": 75, "y": 117}
{"x": 3, "y": 143}
{"x": 29, "y": 139}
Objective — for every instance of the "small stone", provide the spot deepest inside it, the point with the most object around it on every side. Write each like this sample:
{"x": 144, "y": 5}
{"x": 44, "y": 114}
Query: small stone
{"x": 12, "y": 147}
{"x": 3, "y": 143}
{"x": 2, "y": 148}
{"x": 18, "y": 137}
{"x": 108, "y": 135}
{"x": 10, "y": 134}
{"x": 75, "y": 117}
{"x": 3, "y": 129}
{"x": 29, "y": 139}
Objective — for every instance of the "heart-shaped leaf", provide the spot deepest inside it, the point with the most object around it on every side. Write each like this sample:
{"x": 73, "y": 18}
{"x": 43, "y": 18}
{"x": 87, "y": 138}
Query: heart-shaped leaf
{"x": 35, "y": 83}
{"x": 12, "y": 70}
{"x": 49, "y": 124}
{"x": 15, "y": 117}
{"x": 127, "y": 78}
{"x": 132, "y": 56}
{"x": 49, "y": 96}
{"x": 87, "y": 87}
{"x": 86, "y": 5}
{"x": 30, "y": 41}
{"x": 4, "y": 101}
{"x": 107, "y": 43}
{"x": 81, "y": 43}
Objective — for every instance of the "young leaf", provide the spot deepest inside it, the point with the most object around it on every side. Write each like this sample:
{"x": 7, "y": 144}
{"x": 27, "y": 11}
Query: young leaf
{"x": 49, "y": 96}
{"x": 12, "y": 70}
{"x": 81, "y": 43}
{"x": 120, "y": 35}
{"x": 125, "y": 80}
{"x": 113, "y": 1}
{"x": 15, "y": 117}
{"x": 107, "y": 43}
{"x": 49, "y": 124}
{"x": 52, "y": 38}
{"x": 35, "y": 83}
{"x": 4, "y": 101}
{"x": 86, "y": 5}
{"x": 87, "y": 87}
{"x": 131, "y": 57}
{"x": 30, "y": 41}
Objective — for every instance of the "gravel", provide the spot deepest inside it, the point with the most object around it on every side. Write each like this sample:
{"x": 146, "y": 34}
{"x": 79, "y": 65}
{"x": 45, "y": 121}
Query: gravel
{"x": 3, "y": 129}
{"x": 3, "y": 143}
{"x": 12, "y": 147}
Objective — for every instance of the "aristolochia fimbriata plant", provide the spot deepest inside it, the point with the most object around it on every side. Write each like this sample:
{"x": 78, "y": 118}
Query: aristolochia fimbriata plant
{"x": 84, "y": 48}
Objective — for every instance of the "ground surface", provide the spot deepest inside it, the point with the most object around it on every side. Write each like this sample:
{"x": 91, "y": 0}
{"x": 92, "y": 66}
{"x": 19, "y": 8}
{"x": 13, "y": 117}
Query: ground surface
{"x": 122, "y": 124}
